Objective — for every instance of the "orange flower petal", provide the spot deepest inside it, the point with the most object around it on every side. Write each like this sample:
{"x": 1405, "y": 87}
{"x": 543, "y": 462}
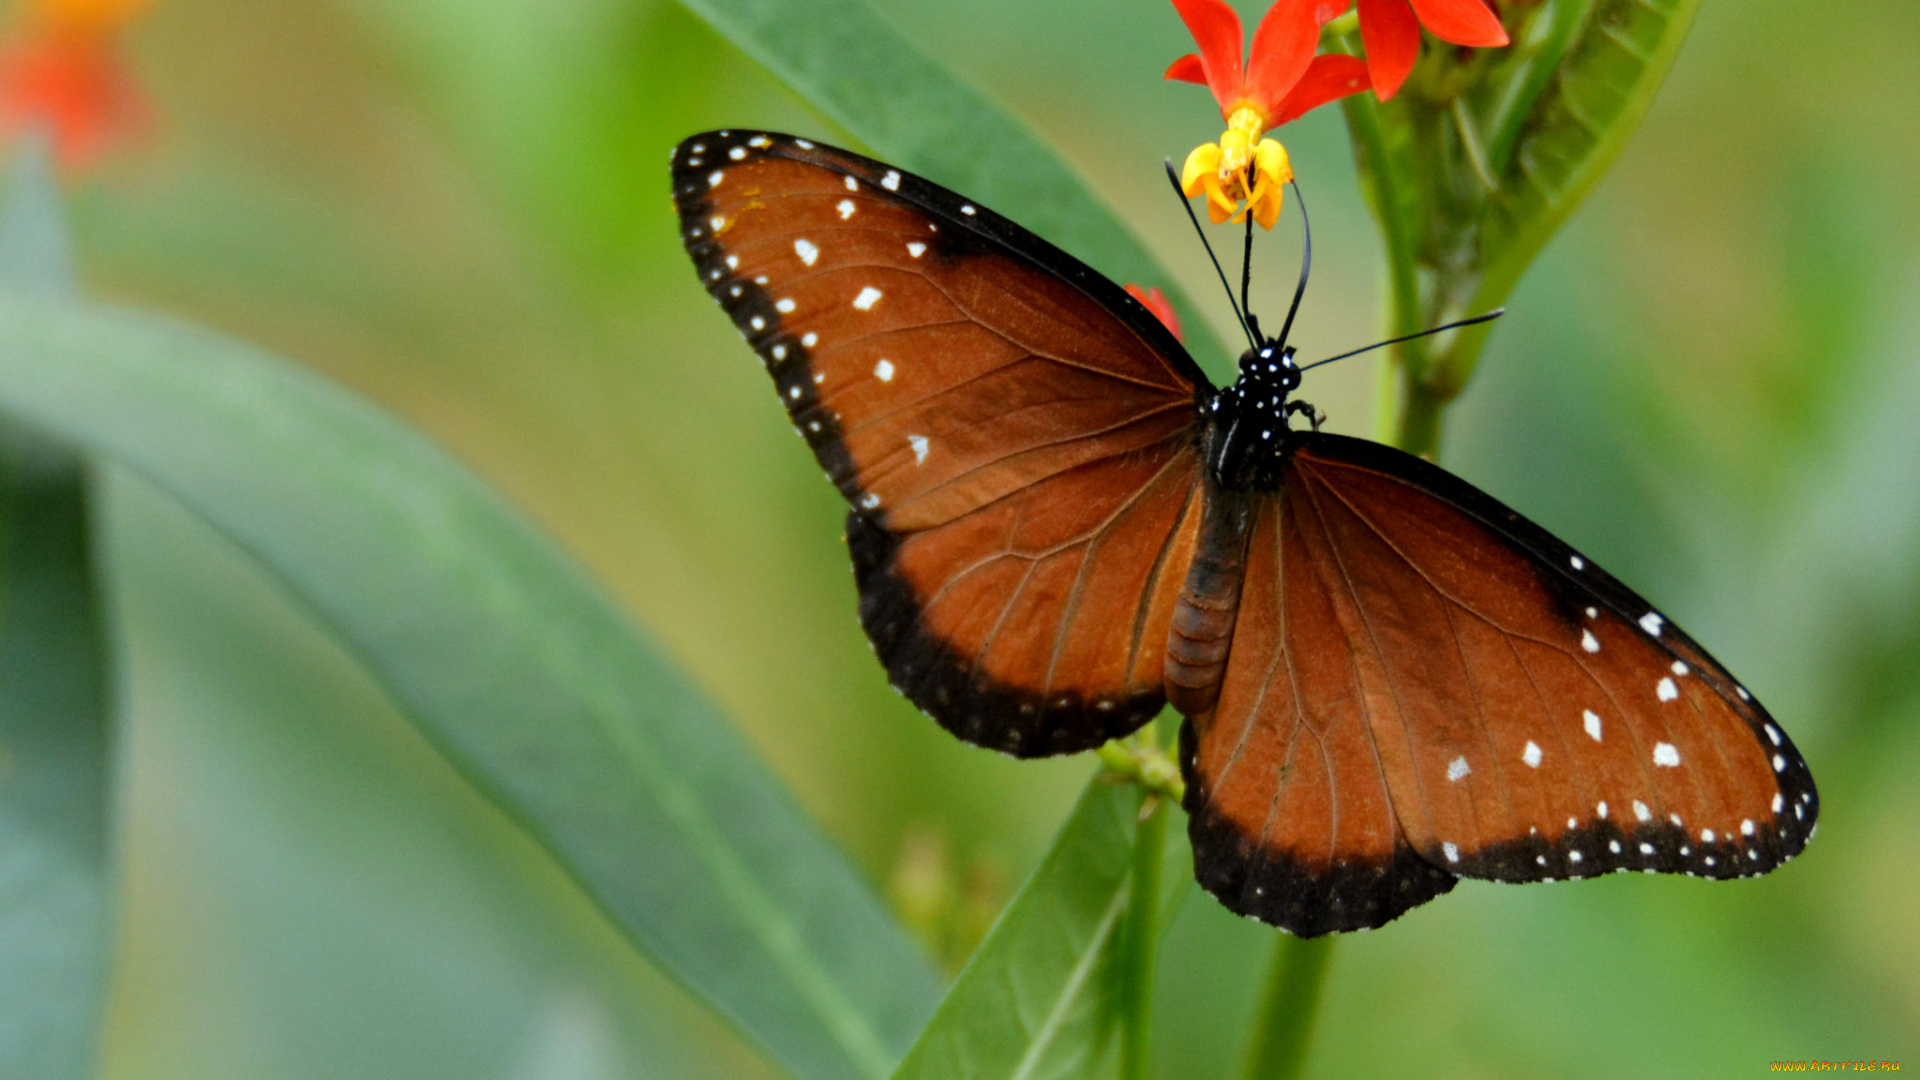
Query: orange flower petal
{"x": 1216, "y": 30}
{"x": 1391, "y": 35}
{"x": 76, "y": 88}
{"x": 1282, "y": 47}
{"x": 1328, "y": 78}
{"x": 1463, "y": 22}
{"x": 1156, "y": 301}
{"x": 1187, "y": 69}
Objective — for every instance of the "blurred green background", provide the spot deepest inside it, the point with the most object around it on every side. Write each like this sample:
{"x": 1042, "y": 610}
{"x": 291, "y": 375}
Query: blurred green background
{"x": 1710, "y": 382}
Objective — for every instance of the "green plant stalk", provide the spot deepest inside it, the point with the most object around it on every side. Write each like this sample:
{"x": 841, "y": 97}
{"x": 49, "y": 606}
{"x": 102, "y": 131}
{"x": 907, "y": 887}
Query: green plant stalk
{"x": 1284, "y": 1024}
{"x": 1140, "y": 938}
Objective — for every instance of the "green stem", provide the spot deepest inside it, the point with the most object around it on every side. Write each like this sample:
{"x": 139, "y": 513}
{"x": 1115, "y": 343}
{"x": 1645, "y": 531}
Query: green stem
{"x": 1417, "y": 429}
{"x": 1140, "y": 938}
{"x": 1139, "y": 759}
{"x": 1284, "y": 1024}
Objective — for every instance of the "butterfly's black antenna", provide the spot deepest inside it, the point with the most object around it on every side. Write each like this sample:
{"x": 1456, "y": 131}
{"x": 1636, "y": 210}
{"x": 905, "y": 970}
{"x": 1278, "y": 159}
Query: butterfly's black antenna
{"x": 1246, "y": 275}
{"x": 1174, "y": 179}
{"x": 1306, "y": 267}
{"x": 1488, "y": 317}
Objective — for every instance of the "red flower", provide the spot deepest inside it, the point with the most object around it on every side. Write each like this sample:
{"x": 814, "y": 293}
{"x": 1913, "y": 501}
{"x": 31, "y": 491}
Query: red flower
{"x": 1282, "y": 80}
{"x": 1156, "y": 302}
{"x": 1390, "y": 29}
{"x": 61, "y": 69}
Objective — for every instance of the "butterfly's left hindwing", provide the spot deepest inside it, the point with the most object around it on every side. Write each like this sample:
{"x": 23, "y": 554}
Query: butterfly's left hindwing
{"x": 1012, "y": 430}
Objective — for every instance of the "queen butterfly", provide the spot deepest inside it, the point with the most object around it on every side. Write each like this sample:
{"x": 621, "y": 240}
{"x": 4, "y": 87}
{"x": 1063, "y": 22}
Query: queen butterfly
{"x": 1058, "y": 525}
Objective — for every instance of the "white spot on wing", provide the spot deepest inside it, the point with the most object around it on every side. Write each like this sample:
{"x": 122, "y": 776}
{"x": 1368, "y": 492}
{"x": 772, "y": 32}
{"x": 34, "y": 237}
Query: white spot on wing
{"x": 809, "y": 339}
{"x": 783, "y": 306}
{"x": 1458, "y": 768}
{"x": 1578, "y": 563}
{"x": 806, "y": 250}
{"x": 1640, "y": 811}
{"x": 1531, "y": 755}
{"x": 845, "y": 206}
{"x": 891, "y": 181}
{"x": 1452, "y": 849}
{"x": 852, "y": 184}
{"x": 1666, "y": 690}
{"x": 1666, "y": 754}
{"x": 1774, "y": 734}
{"x": 1679, "y": 668}
{"x": 738, "y": 153}
{"x": 1589, "y": 642}
{"x": 1779, "y": 763}
{"x": 1746, "y": 826}
{"x": 714, "y": 178}
{"x": 868, "y": 297}
{"x": 1592, "y": 721}
{"x": 803, "y": 144}
{"x": 1651, "y": 623}
{"x": 1778, "y": 802}
{"x": 919, "y": 444}
{"x": 916, "y": 249}
{"x": 870, "y": 500}
{"x": 883, "y": 371}
{"x": 967, "y": 209}
{"x": 1603, "y": 811}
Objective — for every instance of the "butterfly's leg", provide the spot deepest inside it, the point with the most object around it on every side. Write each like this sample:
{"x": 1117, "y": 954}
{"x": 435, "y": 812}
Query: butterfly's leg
{"x": 1314, "y": 416}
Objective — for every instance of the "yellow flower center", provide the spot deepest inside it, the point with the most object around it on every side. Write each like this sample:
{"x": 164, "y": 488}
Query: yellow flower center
{"x": 1237, "y": 143}
{"x": 1241, "y": 167}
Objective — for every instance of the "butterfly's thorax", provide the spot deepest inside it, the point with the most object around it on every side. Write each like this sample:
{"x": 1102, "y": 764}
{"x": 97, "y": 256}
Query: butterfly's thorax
{"x": 1247, "y": 435}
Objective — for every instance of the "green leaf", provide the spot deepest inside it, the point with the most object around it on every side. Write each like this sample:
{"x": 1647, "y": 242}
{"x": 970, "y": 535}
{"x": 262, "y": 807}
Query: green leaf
{"x": 1483, "y": 156}
{"x": 508, "y": 659}
{"x": 845, "y": 59}
{"x": 1032, "y": 1001}
{"x": 57, "y": 879}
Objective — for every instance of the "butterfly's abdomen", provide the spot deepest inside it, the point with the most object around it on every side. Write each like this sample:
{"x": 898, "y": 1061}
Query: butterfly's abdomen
{"x": 1201, "y": 634}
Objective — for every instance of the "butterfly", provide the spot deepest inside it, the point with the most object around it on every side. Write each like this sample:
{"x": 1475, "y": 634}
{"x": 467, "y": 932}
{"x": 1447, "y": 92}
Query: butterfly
{"x": 1058, "y": 526}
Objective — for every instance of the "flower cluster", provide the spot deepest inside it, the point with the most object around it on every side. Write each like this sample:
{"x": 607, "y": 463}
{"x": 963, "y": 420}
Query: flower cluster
{"x": 1244, "y": 173}
{"x": 61, "y": 71}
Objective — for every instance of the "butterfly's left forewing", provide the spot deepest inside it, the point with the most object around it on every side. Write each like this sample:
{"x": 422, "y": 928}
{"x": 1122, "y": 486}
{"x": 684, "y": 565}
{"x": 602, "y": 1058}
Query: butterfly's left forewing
{"x": 1014, "y": 433}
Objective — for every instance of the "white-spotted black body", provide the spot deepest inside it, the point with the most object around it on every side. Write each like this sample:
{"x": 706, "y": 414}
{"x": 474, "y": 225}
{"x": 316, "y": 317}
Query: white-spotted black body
{"x": 1247, "y": 431}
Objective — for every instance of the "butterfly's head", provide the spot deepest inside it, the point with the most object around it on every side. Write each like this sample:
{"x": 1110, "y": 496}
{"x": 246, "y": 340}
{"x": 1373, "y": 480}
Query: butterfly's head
{"x": 1270, "y": 367}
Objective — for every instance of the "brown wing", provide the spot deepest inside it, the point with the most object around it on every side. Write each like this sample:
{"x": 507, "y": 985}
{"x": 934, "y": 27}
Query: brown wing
{"x": 1289, "y": 812}
{"x": 1513, "y": 712}
{"x": 1014, "y": 432}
